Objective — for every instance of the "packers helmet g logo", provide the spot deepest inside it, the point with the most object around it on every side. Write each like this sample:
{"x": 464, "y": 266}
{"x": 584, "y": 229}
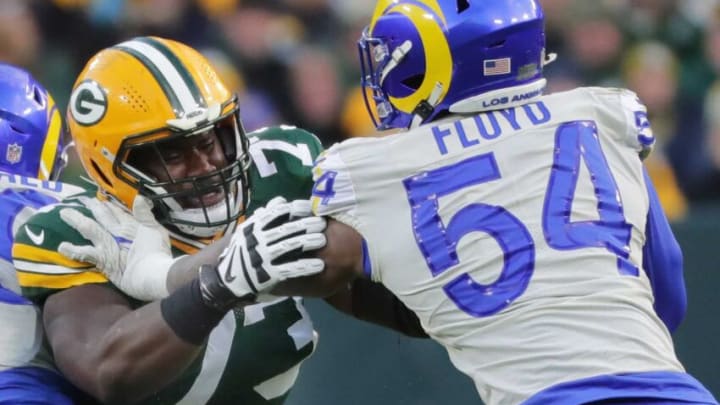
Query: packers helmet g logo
{"x": 88, "y": 103}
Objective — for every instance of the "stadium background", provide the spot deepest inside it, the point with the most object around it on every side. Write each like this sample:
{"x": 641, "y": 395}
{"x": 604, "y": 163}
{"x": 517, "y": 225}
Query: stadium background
{"x": 295, "y": 61}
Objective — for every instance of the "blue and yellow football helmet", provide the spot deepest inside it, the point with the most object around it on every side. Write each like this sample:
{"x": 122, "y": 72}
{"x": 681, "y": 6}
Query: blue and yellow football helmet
{"x": 32, "y": 141}
{"x": 424, "y": 58}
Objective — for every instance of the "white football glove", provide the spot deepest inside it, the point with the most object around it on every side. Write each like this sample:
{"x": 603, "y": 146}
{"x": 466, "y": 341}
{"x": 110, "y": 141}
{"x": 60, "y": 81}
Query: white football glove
{"x": 133, "y": 251}
{"x": 110, "y": 233}
{"x": 267, "y": 248}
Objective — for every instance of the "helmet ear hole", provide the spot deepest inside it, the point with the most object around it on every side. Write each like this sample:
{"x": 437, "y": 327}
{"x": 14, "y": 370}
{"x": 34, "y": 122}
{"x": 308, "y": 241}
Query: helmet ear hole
{"x": 38, "y": 97}
{"x": 414, "y": 82}
{"x": 497, "y": 44}
{"x": 17, "y": 129}
{"x": 462, "y": 5}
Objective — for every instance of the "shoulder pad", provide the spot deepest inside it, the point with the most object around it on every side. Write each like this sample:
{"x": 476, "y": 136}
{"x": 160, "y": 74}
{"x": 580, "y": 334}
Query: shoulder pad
{"x": 40, "y": 268}
{"x": 282, "y": 162}
{"x": 640, "y": 134}
{"x": 332, "y": 191}
{"x": 622, "y": 109}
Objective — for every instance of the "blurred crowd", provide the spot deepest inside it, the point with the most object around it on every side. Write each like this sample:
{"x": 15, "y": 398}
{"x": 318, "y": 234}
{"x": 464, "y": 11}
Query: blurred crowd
{"x": 295, "y": 62}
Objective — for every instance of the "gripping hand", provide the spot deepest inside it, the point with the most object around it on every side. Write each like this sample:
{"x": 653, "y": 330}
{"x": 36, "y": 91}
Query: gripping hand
{"x": 268, "y": 248}
{"x": 132, "y": 251}
{"x": 110, "y": 233}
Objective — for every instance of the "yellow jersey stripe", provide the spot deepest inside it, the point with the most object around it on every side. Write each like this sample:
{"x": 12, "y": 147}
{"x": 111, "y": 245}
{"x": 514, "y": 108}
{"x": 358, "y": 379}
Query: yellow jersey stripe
{"x": 44, "y": 268}
{"x": 44, "y": 256}
{"x": 59, "y": 281}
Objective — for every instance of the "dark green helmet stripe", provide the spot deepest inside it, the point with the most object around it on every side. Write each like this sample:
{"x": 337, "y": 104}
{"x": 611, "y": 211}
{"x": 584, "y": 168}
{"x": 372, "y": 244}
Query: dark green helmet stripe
{"x": 181, "y": 68}
{"x": 173, "y": 77}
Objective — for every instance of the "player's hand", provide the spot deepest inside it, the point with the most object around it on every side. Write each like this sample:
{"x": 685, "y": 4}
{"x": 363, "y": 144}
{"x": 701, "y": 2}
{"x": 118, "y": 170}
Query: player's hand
{"x": 136, "y": 256}
{"x": 110, "y": 233}
{"x": 150, "y": 257}
{"x": 268, "y": 248}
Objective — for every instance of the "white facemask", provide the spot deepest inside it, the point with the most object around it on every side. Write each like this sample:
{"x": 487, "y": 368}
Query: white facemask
{"x": 215, "y": 213}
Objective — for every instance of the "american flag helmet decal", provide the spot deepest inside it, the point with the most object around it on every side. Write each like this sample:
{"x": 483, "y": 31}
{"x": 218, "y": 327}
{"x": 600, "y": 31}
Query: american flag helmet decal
{"x": 494, "y": 67}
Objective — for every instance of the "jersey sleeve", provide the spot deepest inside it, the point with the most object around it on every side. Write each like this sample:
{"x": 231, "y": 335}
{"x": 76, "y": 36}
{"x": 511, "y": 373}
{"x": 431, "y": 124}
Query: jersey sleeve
{"x": 282, "y": 158}
{"x": 333, "y": 193}
{"x": 663, "y": 263}
{"x": 623, "y": 111}
{"x": 639, "y": 132}
{"x": 41, "y": 269}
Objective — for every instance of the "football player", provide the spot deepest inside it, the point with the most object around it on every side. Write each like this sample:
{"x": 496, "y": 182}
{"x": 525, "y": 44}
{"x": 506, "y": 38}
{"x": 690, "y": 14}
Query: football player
{"x": 32, "y": 155}
{"x": 525, "y": 232}
{"x": 150, "y": 117}
{"x": 160, "y": 134}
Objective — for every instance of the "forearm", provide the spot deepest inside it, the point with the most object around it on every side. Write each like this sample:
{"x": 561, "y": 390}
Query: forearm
{"x": 372, "y": 302}
{"x": 338, "y": 273}
{"x": 114, "y": 353}
{"x": 343, "y": 258}
{"x": 139, "y": 355}
{"x": 320, "y": 285}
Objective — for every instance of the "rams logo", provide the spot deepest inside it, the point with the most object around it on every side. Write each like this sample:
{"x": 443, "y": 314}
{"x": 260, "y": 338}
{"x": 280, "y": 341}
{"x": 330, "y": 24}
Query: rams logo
{"x": 88, "y": 103}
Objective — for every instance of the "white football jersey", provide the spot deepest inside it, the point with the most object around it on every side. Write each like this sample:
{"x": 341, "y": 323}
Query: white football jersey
{"x": 20, "y": 197}
{"x": 515, "y": 235}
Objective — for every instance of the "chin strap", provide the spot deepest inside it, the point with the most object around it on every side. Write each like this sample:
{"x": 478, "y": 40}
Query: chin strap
{"x": 425, "y": 108}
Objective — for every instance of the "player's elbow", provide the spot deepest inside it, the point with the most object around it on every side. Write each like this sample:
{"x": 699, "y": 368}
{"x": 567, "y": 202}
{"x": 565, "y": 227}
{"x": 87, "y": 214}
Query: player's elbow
{"x": 673, "y": 311}
{"x": 675, "y": 316}
{"x": 673, "y": 307}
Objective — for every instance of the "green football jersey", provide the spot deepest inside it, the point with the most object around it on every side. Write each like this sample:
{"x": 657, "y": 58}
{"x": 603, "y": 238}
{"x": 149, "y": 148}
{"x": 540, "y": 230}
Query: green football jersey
{"x": 253, "y": 356}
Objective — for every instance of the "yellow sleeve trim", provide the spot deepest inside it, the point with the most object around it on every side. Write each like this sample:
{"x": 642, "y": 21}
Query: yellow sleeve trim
{"x": 40, "y": 255}
{"x": 59, "y": 281}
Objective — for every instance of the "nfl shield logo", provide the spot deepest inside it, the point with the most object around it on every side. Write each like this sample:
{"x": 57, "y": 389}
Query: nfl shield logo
{"x": 14, "y": 153}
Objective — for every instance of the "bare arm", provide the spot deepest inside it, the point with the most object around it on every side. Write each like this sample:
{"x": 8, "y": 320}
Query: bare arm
{"x": 114, "y": 353}
{"x": 342, "y": 287}
{"x": 374, "y": 303}
{"x": 343, "y": 262}
{"x": 342, "y": 256}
